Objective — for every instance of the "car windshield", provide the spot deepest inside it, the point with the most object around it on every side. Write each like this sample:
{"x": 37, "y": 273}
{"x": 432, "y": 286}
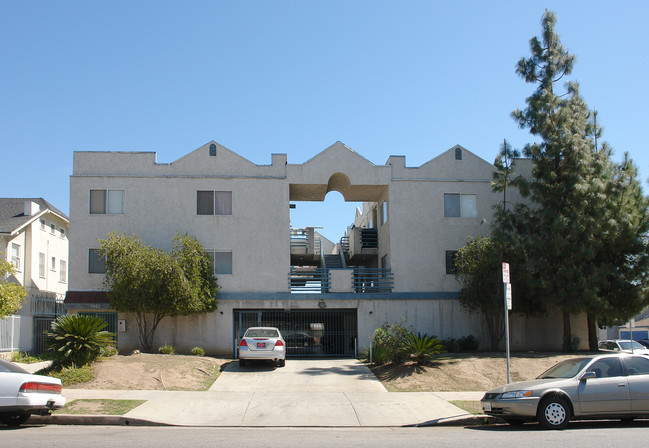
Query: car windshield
{"x": 565, "y": 369}
{"x": 626, "y": 345}
{"x": 261, "y": 333}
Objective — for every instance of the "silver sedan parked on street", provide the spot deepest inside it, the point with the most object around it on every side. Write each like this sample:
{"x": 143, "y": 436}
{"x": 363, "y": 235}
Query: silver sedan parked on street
{"x": 587, "y": 387}
{"x": 262, "y": 343}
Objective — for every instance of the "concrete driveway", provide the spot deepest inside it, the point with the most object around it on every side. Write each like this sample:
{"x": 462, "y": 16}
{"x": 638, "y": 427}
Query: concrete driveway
{"x": 299, "y": 375}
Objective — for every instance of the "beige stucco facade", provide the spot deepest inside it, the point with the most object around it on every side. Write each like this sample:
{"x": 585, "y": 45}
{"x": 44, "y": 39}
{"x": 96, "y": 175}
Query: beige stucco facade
{"x": 39, "y": 247}
{"x": 404, "y": 205}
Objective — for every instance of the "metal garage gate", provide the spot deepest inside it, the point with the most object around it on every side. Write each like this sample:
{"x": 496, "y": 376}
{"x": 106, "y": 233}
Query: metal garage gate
{"x": 308, "y": 333}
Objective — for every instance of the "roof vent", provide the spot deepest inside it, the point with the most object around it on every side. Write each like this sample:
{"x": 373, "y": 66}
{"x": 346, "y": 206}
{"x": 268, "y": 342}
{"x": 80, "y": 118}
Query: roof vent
{"x": 31, "y": 208}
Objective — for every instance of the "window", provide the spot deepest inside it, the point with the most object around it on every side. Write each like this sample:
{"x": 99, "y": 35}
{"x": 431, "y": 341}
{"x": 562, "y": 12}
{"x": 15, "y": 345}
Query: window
{"x": 458, "y": 153}
{"x": 63, "y": 271}
{"x": 95, "y": 262}
{"x": 52, "y": 229}
{"x": 450, "y": 262}
{"x": 637, "y": 365}
{"x": 15, "y": 255}
{"x": 213, "y": 150}
{"x": 460, "y": 205}
{"x": 106, "y": 202}
{"x": 42, "y": 224}
{"x": 607, "y": 368}
{"x": 53, "y": 266}
{"x": 41, "y": 265}
{"x": 62, "y": 232}
{"x": 384, "y": 212}
{"x": 222, "y": 261}
{"x": 213, "y": 202}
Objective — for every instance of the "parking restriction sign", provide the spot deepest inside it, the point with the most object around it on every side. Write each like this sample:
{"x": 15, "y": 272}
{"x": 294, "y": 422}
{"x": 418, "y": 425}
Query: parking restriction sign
{"x": 506, "y": 273}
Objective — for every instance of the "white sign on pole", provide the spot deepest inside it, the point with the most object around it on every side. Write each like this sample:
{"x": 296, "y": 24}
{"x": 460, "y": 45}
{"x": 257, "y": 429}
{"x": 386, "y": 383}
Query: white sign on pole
{"x": 508, "y": 295}
{"x": 506, "y": 273}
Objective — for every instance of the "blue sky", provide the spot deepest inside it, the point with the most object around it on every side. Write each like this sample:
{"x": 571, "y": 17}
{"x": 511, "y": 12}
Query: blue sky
{"x": 386, "y": 78}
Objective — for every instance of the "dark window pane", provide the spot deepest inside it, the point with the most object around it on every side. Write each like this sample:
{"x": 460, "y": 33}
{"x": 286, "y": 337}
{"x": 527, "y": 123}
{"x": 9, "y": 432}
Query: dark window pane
{"x": 96, "y": 263}
{"x": 205, "y": 202}
{"x": 450, "y": 261}
{"x": 452, "y": 205}
{"x": 97, "y": 201}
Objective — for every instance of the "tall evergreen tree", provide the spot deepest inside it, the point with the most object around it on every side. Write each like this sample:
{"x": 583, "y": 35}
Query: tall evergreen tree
{"x": 572, "y": 233}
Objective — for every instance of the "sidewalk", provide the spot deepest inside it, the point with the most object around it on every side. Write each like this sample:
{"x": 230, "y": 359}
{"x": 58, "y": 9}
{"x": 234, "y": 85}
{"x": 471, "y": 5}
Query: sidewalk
{"x": 322, "y": 393}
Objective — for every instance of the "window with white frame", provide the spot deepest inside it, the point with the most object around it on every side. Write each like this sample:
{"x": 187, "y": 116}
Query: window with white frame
{"x": 96, "y": 263}
{"x": 53, "y": 266}
{"x": 52, "y": 229}
{"x": 213, "y": 202}
{"x": 221, "y": 261}
{"x": 62, "y": 233}
{"x": 63, "y": 271}
{"x": 106, "y": 202}
{"x": 41, "y": 265}
{"x": 15, "y": 255}
{"x": 42, "y": 224}
{"x": 460, "y": 205}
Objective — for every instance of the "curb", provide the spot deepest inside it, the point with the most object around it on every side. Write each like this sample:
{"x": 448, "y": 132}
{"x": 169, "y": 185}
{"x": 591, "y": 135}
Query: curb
{"x": 118, "y": 420}
{"x": 97, "y": 420}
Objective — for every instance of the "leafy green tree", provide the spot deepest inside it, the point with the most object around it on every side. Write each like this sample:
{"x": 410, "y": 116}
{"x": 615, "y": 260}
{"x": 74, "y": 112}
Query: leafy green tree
{"x": 153, "y": 284}
{"x": 78, "y": 340}
{"x": 12, "y": 294}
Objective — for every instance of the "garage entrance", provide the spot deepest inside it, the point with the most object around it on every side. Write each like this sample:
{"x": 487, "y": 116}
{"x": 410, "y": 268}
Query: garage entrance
{"x": 311, "y": 333}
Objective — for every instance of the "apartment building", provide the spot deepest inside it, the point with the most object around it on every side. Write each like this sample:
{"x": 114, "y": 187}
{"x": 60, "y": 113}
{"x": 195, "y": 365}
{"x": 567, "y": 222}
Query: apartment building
{"x": 34, "y": 237}
{"x": 393, "y": 264}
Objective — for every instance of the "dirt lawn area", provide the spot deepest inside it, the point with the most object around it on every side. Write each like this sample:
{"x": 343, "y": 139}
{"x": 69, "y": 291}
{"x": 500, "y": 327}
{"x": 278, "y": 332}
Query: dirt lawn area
{"x": 465, "y": 372}
{"x": 448, "y": 372}
{"x": 154, "y": 372}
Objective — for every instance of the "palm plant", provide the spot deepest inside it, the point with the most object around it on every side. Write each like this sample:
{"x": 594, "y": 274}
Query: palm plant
{"x": 422, "y": 346}
{"x": 78, "y": 340}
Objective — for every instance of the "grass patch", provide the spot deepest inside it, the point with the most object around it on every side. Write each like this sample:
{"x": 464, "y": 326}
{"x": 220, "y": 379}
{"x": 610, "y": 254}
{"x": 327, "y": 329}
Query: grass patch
{"x": 472, "y": 407}
{"x": 99, "y": 407}
{"x": 73, "y": 375}
{"x": 26, "y": 358}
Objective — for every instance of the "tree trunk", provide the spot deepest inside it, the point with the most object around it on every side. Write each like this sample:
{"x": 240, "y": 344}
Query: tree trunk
{"x": 567, "y": 331}
{"x": 592, "y": 333}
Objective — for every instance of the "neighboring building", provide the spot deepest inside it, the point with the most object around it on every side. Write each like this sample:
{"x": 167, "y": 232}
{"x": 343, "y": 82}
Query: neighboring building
{"x": 393, "y": 264}
{"x": 34, "y": 237}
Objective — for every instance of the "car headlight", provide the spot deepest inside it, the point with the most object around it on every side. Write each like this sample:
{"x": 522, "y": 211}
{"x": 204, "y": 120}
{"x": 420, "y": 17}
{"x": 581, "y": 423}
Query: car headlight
{"x": 516, "y": 394}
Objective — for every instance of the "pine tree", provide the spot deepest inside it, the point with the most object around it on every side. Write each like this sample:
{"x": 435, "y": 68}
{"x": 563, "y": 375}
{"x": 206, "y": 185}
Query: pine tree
{"x": 585, "y": 233}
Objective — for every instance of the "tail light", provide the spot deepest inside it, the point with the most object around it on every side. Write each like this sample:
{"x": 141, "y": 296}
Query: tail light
{"x": 279, "y": 343}
{"x": 41, "y": 387}
{"x": 243, "y": 343}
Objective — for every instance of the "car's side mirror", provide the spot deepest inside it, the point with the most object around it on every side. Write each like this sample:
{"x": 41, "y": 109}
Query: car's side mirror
{"x": 587, "y": 376}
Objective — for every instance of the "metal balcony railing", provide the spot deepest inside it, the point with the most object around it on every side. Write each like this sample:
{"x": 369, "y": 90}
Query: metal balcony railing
{"x": 368, "y": 280}
{"x": 308, "y": 280}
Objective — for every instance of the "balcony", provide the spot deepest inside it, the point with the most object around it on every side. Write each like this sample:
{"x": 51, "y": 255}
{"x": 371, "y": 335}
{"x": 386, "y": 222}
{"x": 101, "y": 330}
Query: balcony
{"x": 305, "y": 280}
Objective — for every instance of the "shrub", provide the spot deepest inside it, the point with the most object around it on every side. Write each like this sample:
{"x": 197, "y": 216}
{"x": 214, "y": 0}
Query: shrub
{"x": 468, "y": 343}
{"x": 388, "y": 344}
{"x": 167, "y": 350}
{"x": 198, "y": 351}
{"x": 450, "y": 345}
{"x": 73, "y": 375}
{"x": 421, "y": 346}
{"x": 78, "y": 340}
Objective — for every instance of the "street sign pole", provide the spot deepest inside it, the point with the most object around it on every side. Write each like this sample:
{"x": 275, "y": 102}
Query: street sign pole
{"x": 507, "y": 287}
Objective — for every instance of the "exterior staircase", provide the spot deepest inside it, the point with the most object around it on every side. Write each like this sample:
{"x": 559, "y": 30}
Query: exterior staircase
{"x": 334, "y": 261}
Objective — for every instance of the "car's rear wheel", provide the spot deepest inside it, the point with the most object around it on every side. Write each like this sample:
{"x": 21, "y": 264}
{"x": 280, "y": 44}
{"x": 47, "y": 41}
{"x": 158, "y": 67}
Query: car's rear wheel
{"x": 553, "y": 412}
{"x": 14, "y": 419}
